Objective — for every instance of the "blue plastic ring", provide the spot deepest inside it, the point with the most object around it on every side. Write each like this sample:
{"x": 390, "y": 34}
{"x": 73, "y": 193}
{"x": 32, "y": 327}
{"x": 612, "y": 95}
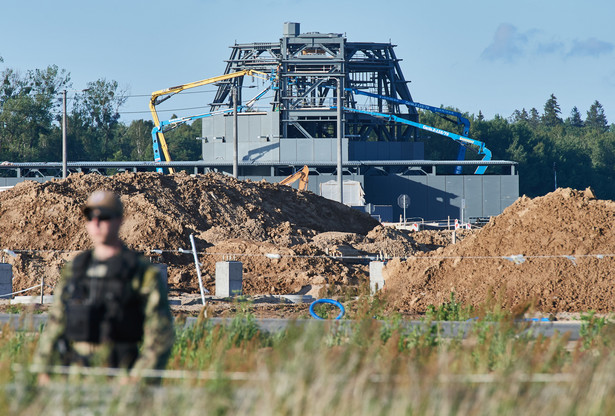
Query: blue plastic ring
{"x": 330, "y": 301}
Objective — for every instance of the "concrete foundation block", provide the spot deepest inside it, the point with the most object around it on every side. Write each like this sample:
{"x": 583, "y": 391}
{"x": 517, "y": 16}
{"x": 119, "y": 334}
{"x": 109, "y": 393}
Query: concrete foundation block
{"x": 6, "y": 280}
{"x": 229, "y": 278}
{"x": 376, "y": 280}
{"x": 30, "y": 300}
{"x": 164, "y": 273}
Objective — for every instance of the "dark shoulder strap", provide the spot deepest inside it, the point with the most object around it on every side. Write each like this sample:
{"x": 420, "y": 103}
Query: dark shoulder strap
{"x": 76, "y": 275}
{"x": 80, "y": 264}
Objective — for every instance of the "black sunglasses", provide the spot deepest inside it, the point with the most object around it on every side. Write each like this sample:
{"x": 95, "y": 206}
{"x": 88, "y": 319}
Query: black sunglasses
{"x": 102, "y": 216}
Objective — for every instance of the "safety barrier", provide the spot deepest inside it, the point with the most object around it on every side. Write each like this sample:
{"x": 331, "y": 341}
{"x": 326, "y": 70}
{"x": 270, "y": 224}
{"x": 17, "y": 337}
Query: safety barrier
{"x": 21, "y": 291}
{"x": 259, "y": 376}
{"x": 515, "y": 258}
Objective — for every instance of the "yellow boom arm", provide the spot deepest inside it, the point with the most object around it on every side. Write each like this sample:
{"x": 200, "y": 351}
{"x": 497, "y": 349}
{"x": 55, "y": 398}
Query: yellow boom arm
{"x": 301, "y": 175}
{"x": 162, "y": 95}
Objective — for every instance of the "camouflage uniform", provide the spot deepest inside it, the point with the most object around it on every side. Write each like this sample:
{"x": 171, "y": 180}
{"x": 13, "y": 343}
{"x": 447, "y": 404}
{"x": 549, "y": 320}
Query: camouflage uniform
{"x": 158, "y": 333}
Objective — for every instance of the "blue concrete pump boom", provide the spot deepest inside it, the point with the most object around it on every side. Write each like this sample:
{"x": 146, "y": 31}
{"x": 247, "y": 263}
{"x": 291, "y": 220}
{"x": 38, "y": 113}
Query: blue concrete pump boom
{"x": 461, "y": 120}
{"x": 174, "y": 123}
{"x": 482, "y": 150}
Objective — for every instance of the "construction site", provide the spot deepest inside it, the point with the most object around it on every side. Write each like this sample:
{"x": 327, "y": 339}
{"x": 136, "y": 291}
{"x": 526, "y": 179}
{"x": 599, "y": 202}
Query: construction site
{"x": 554, "y": 252}
{"x": 339, "y": 114}
{"x": 310, "y": 189}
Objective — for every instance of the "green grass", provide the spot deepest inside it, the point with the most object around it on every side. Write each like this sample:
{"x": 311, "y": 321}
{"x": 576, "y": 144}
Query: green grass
{"x": 362, "y": 368}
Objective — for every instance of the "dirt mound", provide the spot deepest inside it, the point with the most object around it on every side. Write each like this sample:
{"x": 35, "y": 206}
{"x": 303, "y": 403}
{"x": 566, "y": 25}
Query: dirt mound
{"x": 226, "y": 216}
{"x": 567, "y": 264}
{"x": 163, "y": 210}
{"x": 555, "y": 251}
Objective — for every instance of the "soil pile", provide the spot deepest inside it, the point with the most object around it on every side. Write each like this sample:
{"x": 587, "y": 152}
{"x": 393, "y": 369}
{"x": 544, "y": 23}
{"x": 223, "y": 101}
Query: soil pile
{"x": 229, "y": 219}
{"x": 555, "y": 251}
{"x": 565, "y": 238}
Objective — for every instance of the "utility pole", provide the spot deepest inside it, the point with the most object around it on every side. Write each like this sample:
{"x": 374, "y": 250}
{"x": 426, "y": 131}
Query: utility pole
{"x": 555, "y": 175}
{"x": 340, "y": 190}
{"x": 235, "y": 135}
{"x": 64, "y": 157}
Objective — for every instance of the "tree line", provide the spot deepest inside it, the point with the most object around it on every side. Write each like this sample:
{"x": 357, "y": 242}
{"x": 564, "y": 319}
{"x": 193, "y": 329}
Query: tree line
{"x": 551, "y": 150}
{"x": 31, "y": 110}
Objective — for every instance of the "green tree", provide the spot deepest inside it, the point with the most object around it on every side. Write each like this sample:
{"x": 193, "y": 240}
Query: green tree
{"x": 183, "y": 143}
{"x": 136, "y": 142}
{"x": 534, "y": 118}
{"x": 575, "y": 119}
{"x": 27, "y": 107}
{"x": 552, "y": 111}
{"x": 596, "y": 119}
{"x": 95, "y": 119}
{"x": 518, "y": 116}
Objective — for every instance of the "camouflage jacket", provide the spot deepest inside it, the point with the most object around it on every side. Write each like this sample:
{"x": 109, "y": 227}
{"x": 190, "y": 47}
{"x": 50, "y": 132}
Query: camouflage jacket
{"x": 158, "y": 331}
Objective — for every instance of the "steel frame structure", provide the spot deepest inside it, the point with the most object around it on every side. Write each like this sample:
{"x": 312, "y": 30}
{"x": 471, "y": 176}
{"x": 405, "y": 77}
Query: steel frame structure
{"x": 307, "y": 66}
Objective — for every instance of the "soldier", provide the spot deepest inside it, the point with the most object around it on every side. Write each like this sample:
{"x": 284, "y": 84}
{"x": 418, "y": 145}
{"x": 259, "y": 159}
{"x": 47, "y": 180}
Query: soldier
{"x": 111, "y": 306}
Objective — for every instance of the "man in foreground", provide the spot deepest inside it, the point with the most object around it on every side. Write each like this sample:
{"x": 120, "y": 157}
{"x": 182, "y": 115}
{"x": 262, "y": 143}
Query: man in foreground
{"x": 110, "y": 306}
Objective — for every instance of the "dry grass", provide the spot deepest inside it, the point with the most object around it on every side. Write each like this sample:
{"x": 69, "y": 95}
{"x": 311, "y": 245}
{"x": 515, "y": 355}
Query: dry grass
{"x": 368, "y": 370}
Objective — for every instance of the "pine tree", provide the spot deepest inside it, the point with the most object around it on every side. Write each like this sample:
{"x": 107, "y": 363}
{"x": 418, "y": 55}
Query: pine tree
{"x": 596, "y": 119}
{"x": 534, "y": 117}
{"x": 519, "y": 116}
{"x": 575, "y": 119}
{"x": 551, "y": 117}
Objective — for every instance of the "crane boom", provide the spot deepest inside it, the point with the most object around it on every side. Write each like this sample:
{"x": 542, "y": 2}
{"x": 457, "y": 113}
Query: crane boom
{"x": 463, "y": 121}
{"x": 482, "y": 150}
{"x": 443, "y": 112}
{"x": 160, "y": 96}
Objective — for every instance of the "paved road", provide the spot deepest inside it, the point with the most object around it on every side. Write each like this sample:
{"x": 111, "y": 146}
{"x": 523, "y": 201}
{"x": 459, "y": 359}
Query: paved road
{"x": 446, "y": 329}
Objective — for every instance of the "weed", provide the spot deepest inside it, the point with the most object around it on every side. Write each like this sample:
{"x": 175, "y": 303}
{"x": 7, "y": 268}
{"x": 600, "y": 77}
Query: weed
{"x": 363, "y": 367}
{"x": 591, "y": 329}
{"x": 451, "y": 311}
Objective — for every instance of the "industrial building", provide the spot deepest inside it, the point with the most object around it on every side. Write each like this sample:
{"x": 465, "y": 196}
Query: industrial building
{"x": 381, "y": 159}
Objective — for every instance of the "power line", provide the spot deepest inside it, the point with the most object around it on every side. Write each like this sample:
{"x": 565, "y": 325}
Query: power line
{"x": 182, "y": 92}
{"x": 162, "y": 111}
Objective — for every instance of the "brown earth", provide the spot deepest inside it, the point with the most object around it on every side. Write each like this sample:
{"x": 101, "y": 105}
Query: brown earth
{"x": 323, "y": 247}
{"x": 568, "y": 245}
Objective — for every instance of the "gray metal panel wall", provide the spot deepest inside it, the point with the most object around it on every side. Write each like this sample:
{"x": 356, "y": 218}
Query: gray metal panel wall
{"x": 509, "y": 190}
{"x": 438, "y": 197}
{"x": 454, "y": 186}
{"x": 252, "y": 127}
{"x": 288, "y": 150}
{"x": 492, "y": 205}
{"x": 14, "y": 181}
{"x": 385, "y": 150}
{"x": 304, "y": 148}
{"x": 323, "y": 150}
{"x": 473, "y": 196}
{"x": 311, "y": 150}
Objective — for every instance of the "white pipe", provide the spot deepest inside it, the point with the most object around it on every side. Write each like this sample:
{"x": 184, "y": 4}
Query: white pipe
{"x": 198, "y": 269}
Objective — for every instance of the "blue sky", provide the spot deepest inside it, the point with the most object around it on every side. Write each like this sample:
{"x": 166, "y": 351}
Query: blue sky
{"x": 474, "y": 55}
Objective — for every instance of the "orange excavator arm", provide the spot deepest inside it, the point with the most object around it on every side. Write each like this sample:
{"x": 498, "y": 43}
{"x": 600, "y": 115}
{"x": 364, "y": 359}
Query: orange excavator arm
{"x": 301, "y": 175}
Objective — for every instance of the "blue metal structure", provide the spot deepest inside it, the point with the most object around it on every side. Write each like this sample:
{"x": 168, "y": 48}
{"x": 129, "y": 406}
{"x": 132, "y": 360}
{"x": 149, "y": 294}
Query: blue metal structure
{"x": 174, "y": 123}
{"x": 482, "y": 150}
{"x": 461, "y": 120}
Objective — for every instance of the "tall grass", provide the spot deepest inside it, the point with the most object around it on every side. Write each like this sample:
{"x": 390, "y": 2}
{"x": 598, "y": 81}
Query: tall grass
{"x": 362, "y": 368}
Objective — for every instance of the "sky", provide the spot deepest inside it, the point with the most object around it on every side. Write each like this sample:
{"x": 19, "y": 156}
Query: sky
{"x": 488, "y": 56}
